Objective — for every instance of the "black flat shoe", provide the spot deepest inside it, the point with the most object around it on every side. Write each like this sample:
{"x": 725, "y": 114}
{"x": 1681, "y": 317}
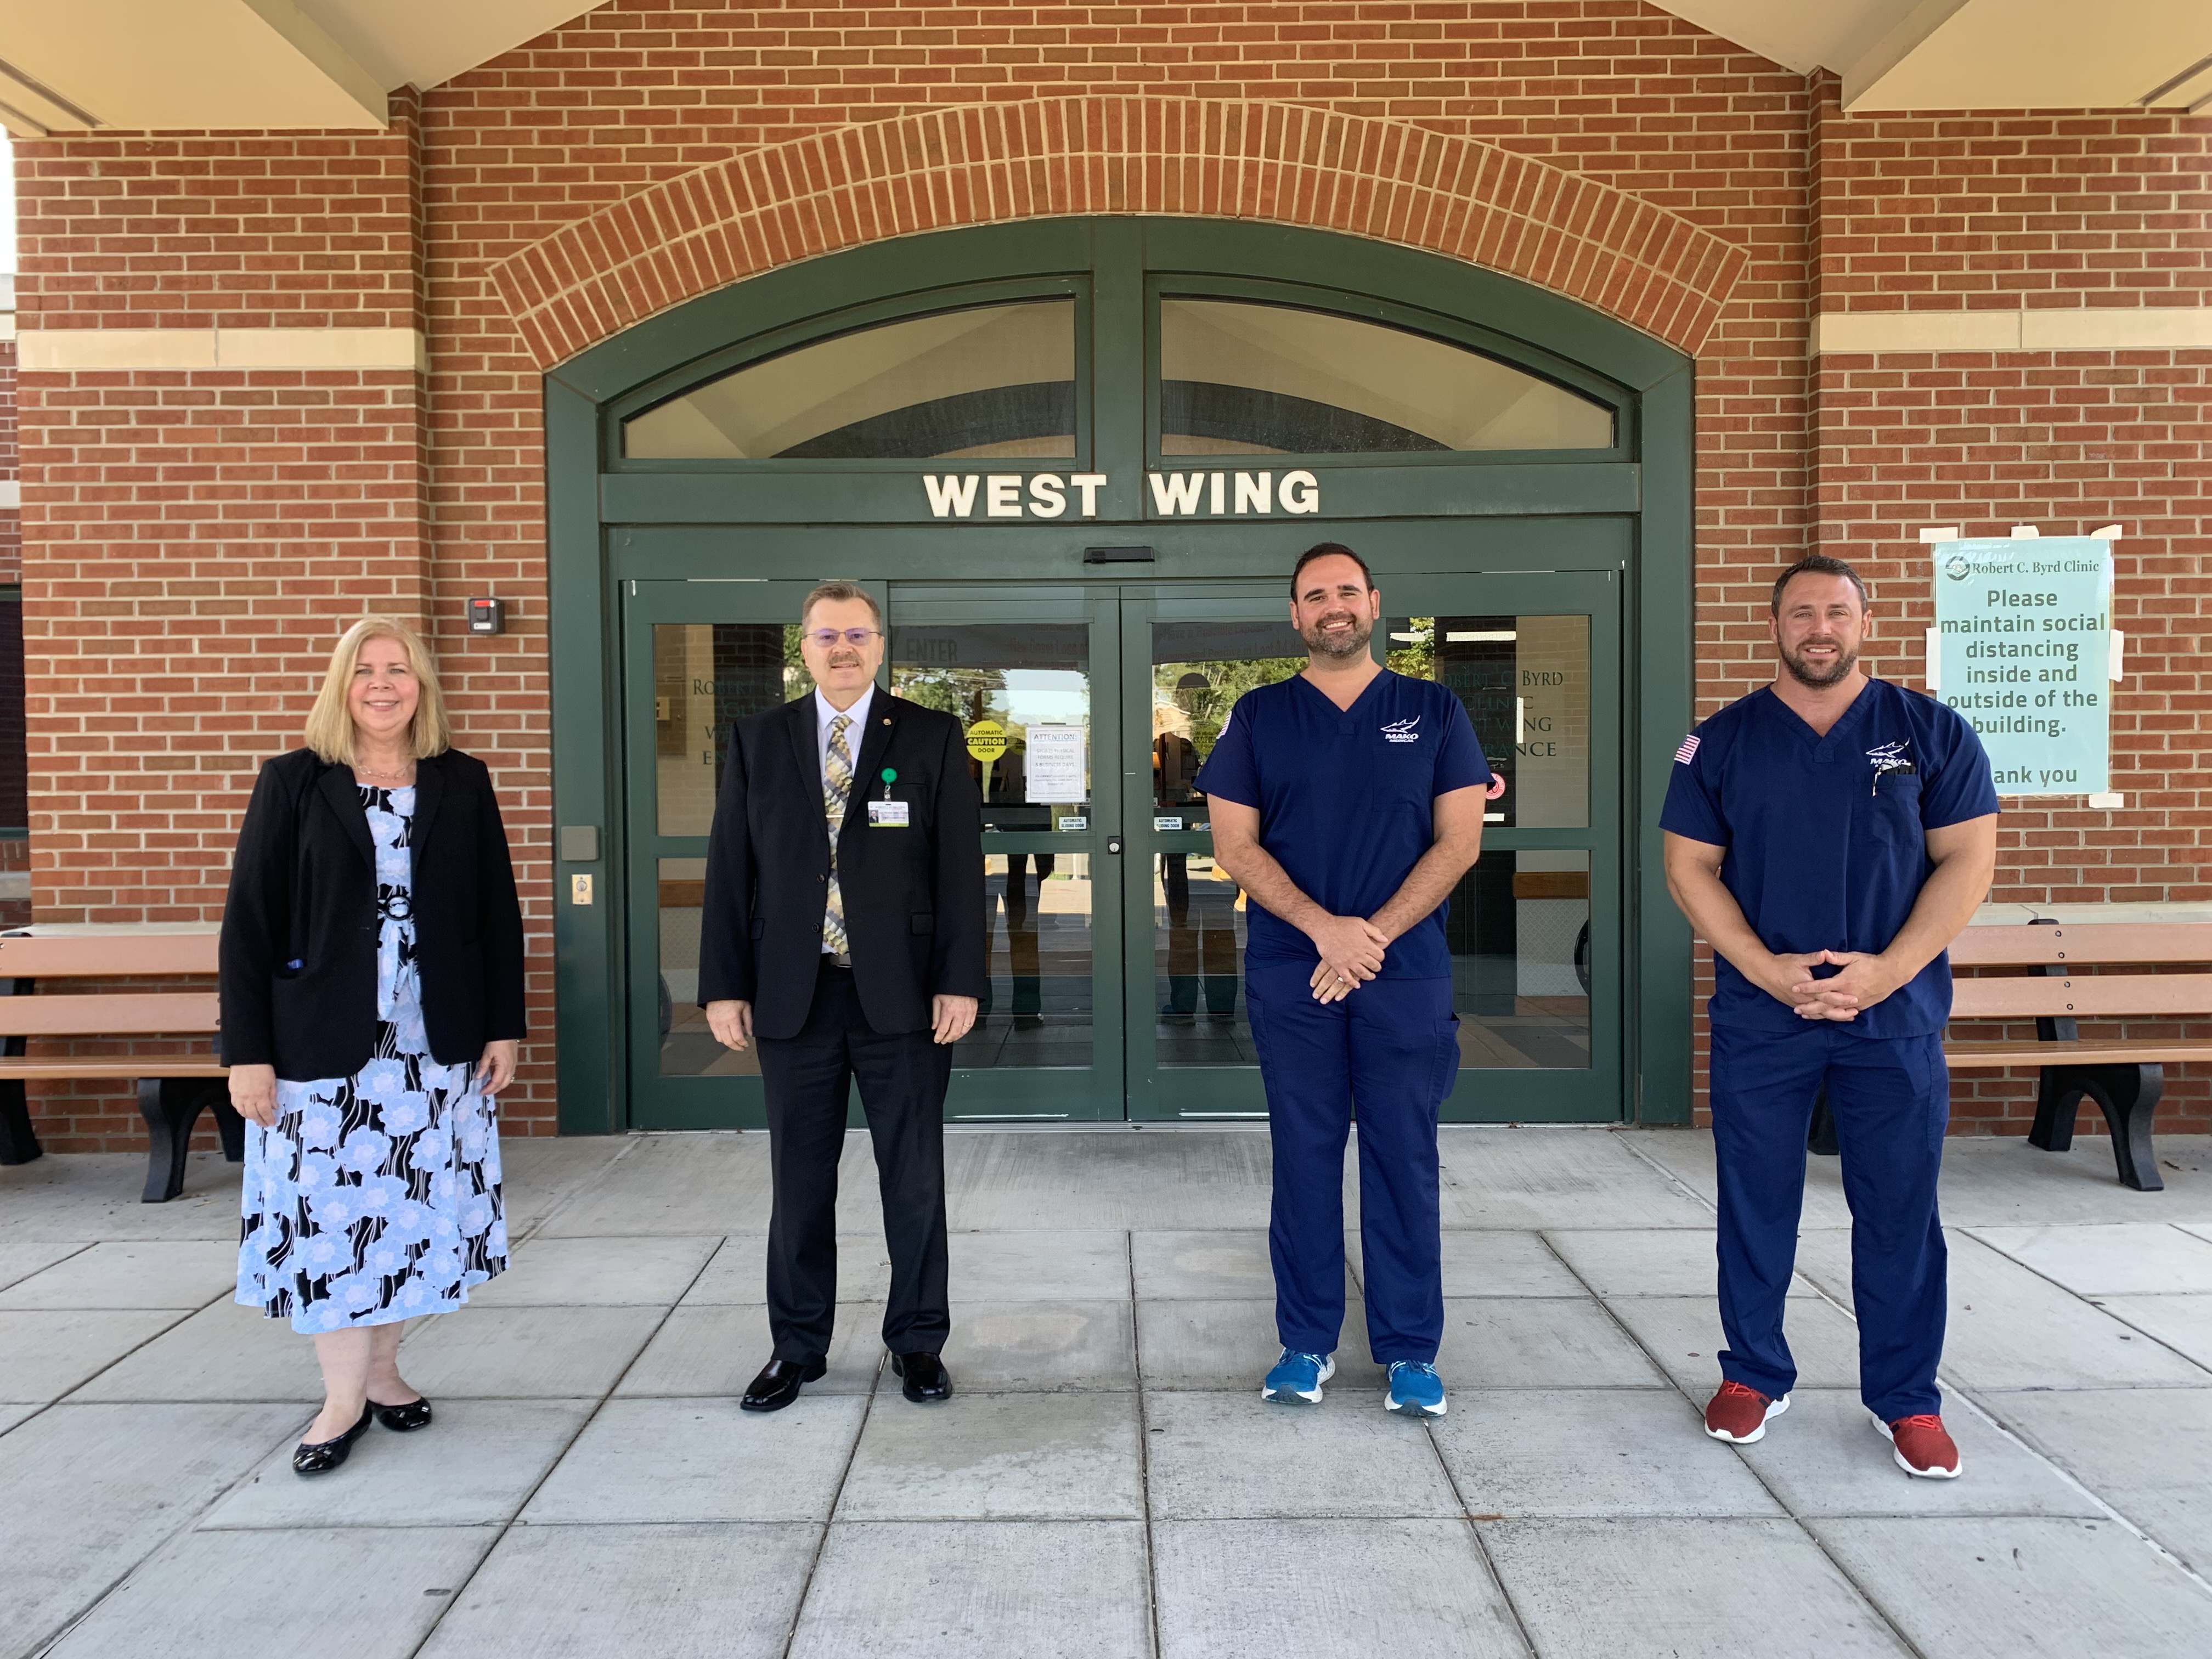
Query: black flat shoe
{"x": 925, "y": 1378}
{"x": 324, "y": 1456}
{"x": 777, "y": 1385}
{"x": 403, "y": 1419}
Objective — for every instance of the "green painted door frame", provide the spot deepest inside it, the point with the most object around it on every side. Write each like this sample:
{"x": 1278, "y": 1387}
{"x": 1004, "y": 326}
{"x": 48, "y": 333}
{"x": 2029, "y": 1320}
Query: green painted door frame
{"x": 1422, "y": 517}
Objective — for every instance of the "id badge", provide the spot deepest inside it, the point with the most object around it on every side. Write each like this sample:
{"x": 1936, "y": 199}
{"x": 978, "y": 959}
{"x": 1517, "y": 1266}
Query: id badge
{"x": 888, "y": 814}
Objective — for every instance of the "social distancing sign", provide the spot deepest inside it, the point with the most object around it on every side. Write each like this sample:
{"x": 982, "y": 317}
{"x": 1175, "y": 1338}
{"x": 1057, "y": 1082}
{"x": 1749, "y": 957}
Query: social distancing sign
{"x": 2023, "y": 648}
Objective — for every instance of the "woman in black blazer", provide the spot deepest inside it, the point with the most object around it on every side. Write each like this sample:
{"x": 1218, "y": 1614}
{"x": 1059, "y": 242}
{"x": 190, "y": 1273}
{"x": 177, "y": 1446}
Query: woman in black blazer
{"x": 372, "y": 1010}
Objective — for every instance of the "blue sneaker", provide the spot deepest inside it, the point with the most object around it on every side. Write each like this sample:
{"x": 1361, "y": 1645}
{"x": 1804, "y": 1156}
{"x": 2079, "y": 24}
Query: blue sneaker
{"x": 1416, "y": 1388}
{"x": 1297, "y": 1379}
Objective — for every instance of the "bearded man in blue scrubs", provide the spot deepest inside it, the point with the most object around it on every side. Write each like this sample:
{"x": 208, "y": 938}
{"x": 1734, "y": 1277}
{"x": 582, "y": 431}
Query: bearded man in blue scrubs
{"x": 1347, "y": 802}
{"x": 1829, "y": 835}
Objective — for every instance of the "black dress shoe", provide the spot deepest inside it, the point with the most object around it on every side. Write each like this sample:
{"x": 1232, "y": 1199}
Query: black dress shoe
{"x": 403, "y": 1419}
{"x": 324, "y": 1456}
{"x": 926, "y": 1379}
{"x": 777, "y": 1385}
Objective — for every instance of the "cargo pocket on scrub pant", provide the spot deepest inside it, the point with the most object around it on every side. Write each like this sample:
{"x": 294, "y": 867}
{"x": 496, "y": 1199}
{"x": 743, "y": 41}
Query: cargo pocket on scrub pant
{"x": 1256, "y": 1016}
{"x": 1447, "y": 1072}
{"x": 1935, "y": 1087}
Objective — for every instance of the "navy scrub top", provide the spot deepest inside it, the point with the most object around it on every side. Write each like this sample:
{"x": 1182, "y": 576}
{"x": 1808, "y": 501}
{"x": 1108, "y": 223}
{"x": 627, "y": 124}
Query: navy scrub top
{"x": 1346, "y": 801}
{"x": 1826, "y": 837}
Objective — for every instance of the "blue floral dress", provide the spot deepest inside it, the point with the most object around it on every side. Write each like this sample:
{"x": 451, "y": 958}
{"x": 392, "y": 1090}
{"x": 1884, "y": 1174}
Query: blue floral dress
{"x": 376, "y": 1197}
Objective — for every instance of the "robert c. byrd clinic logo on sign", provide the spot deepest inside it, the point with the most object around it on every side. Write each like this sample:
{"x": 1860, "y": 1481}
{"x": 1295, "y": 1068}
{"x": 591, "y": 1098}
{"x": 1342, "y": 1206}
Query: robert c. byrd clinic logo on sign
{"x": 1958, "y": 567}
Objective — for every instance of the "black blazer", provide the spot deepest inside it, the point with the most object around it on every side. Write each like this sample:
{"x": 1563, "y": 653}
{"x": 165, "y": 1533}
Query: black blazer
{"x": 303, "y": 891}
{"x": 914, "y": 897}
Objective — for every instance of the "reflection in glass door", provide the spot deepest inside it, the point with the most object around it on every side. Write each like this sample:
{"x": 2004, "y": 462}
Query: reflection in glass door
{"x": 1535, "y": 926}
{"x": 701, "y": 656}
{"x": 1019, "y": 675}
{"x": 1190, "y": 657}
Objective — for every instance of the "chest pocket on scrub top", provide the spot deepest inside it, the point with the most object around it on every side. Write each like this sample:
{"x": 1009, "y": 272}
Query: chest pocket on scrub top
{"x": 1402, "y": 774}
{"x": 1890, "y": 812}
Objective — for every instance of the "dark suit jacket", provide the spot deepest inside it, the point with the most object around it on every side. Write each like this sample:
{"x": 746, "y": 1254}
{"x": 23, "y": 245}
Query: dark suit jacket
{"x": 303, "y": 891}
{"x": 914, "y": 897}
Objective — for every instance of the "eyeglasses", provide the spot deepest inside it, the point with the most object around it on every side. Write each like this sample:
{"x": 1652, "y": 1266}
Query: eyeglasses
{"x": 828, "y": 637}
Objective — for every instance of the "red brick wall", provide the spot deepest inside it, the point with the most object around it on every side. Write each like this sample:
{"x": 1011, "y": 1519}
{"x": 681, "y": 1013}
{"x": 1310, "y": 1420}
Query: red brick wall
{"x": 2090, "y": 211}
{"x": 11, "y": 519}
{"x": 225, "y": 508}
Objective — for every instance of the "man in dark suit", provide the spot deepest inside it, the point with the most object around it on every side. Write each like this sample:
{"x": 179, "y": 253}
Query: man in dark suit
{"x": 844, "y": 928}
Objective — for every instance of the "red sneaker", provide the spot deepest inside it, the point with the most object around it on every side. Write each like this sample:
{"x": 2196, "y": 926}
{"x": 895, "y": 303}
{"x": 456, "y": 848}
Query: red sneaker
{"x": 1921, "y": 1446}
{"x": 1740, "y": 1414}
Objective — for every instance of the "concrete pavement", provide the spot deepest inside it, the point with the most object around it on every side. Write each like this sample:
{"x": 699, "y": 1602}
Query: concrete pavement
{"x": 1106, "y": 1483}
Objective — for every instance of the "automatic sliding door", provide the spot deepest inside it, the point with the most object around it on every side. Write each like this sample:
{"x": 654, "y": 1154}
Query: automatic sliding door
{"x": 1115, "y": 944}
{"x": 1024, "y": 678}
{"x": 701, "y": 656}
{"x": 1186, "y": 659}
{"x": 1534, "y": 928}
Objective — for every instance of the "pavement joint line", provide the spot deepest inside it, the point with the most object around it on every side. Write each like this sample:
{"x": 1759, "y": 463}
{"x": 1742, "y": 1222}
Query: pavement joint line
{"x": 168, "y": 1537}
{"x": 1481, "y": 1545}
{"x": 10, "y": 1284}
{"x": 182, "y": 1314}
{"x": 631, "y": 1143}
{"x": 1144, "y": 1442}
{"x": 829, "y": 1513}
{"x": 2083, "y": 1299}
{"x": 1969, "y": 1398}
{"x": 469, "y": 1577}
{"x": 1800, "y": 1522}
{"x": 2071, "y": 1479}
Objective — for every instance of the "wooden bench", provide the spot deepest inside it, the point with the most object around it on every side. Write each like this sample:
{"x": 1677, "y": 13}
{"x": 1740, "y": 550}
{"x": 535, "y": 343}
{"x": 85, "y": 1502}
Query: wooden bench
{"x": 2125, "y": 1076}
{"x": 170, "y": 1102}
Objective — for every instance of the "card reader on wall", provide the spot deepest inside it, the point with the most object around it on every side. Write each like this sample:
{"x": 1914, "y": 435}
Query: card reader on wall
{"x": 487, "y": 616}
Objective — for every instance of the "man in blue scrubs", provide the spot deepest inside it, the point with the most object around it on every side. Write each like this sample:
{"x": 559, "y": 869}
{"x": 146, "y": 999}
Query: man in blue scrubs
{"x": 1347, "y": 802}
{"x": 1829, "y": 835}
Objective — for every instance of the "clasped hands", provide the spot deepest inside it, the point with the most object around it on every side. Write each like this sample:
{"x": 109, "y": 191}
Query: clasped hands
{"x": 1866, "y": 979}
{"x": 1352, "y": 950}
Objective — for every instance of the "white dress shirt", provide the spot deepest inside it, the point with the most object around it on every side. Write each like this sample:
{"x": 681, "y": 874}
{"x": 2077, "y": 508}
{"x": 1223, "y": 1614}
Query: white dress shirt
{"x": 858, "y": 714}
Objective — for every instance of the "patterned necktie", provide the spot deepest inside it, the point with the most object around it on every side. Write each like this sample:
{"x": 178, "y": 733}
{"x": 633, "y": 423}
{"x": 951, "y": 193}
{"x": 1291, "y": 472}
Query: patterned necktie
{"x": 837, "y": 791}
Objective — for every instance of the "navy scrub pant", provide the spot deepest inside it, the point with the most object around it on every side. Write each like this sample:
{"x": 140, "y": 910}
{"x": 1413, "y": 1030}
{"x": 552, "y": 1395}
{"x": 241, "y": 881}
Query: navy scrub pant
{"x": 1890, "y": 1099}
{"x": 1390, "y": 1051}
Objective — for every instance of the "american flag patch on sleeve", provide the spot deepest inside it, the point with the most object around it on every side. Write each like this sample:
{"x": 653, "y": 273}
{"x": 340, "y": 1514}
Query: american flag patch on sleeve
{"x": 1682, "y": 756}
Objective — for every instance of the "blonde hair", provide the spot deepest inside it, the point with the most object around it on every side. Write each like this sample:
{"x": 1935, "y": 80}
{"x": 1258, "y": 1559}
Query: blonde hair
{"x": 330, "y": 722}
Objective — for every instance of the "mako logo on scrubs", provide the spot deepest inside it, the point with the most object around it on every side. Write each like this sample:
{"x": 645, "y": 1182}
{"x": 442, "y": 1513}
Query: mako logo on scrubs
{"x": 1891, "y": 756}
{"x": 1402, "y": 731}
{"x": 1175, "y": 494}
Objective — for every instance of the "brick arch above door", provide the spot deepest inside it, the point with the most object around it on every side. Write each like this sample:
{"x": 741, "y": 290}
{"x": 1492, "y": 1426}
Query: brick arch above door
{"x": 1270, "y": 163}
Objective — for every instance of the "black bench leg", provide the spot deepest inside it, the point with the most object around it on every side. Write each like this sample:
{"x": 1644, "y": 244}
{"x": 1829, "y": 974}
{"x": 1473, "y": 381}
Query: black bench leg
{"x": 171, "y": 1106}
{"x": 2058, "y": 1092}
{"x": 19, "y": 1143}
{"x": 1821, "y": 1136}
{"x": 2127, "y": 1094}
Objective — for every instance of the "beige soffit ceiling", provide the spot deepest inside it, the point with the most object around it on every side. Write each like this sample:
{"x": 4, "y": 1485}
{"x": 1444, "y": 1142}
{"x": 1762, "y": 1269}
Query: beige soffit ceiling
{"x": 71, "y": 65}
{"x": 1981, "y": 54}
{"x": 192, "y": 65}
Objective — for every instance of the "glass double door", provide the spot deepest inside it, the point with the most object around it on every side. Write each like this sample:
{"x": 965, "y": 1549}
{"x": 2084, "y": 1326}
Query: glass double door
{"x": 1115, "y": 944}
